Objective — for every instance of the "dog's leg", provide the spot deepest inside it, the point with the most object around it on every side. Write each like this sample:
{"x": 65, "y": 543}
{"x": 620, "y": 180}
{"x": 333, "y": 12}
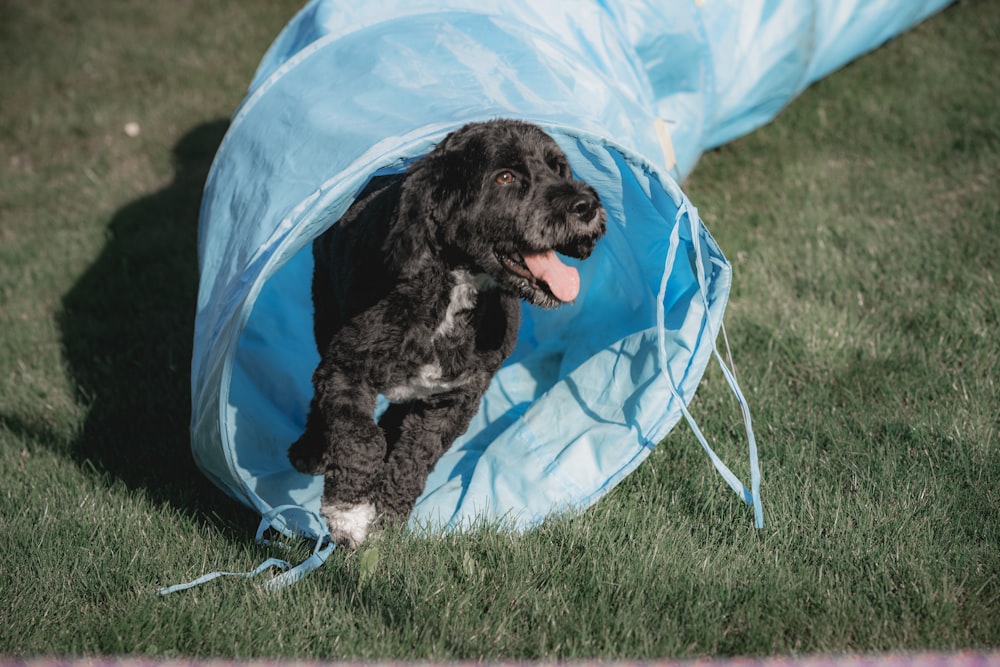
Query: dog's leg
{"x": 345, "y": 505}
{"x": 354, "y": 456}
{"x": 425, "y": 432}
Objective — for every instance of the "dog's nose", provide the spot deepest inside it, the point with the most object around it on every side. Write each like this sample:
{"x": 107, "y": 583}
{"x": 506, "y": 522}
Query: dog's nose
{"x": 584, "y": 208}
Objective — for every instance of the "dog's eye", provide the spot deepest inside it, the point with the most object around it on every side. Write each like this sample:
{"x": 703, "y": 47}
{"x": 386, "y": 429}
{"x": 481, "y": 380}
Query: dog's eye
{"x": 505, "y": 178}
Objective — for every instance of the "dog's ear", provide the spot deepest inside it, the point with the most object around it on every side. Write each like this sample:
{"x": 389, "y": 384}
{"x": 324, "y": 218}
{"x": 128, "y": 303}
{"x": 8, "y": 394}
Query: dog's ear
{"x": 438, "y": 187}
{"x": 411, "y": 239}
{"x": 452, "y": 172}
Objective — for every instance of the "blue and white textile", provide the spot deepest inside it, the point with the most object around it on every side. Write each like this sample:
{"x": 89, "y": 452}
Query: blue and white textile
{"x": 632, "y": 92}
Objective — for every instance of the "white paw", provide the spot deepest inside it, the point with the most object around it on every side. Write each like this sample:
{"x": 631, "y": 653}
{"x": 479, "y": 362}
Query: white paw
{"x": 348, "y": 523}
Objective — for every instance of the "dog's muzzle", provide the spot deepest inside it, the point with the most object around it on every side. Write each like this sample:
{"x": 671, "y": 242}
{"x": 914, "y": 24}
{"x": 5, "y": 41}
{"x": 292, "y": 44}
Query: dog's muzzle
{"x": 585, "y": 225}
{"x": 578, "y": 223}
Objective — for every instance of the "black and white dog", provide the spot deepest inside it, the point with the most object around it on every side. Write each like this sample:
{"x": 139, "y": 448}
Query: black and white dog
{"x": 416, "y": 292}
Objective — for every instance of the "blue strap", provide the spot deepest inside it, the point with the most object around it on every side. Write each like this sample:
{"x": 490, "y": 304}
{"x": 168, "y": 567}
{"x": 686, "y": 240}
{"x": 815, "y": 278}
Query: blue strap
{"x": 324, "y": 547}
{"x": 302, "y": 569}
{"x": 750, "y": 496}
{"x": 321, "y": 551}
{"x": 270, "y": 562}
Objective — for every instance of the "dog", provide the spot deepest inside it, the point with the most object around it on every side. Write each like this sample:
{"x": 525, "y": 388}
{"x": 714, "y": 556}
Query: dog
{"x": 416, "y": 291}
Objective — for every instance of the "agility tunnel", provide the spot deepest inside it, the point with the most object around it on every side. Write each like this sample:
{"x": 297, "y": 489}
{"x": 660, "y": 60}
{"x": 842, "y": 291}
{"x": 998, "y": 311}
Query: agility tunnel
{"x": 633, "y": 92}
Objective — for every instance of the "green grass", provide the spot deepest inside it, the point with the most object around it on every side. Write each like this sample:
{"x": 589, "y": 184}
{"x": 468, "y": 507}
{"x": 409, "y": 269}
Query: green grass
{"x": 864, "y": 230}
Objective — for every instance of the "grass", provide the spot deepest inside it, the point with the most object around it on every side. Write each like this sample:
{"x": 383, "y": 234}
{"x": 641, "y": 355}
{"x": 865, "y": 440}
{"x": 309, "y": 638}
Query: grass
{"x": 864, "y": 229}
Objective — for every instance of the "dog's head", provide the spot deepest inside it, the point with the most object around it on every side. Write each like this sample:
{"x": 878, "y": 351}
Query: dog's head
{"x": 499, "y": 197}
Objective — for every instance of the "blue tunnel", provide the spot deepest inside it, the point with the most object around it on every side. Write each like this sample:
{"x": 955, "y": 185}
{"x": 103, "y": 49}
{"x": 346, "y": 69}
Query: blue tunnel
{"x": 633, "y": 91}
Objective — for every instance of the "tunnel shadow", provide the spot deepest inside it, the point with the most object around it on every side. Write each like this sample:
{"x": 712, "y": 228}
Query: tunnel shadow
{"x": 127, "y": 333}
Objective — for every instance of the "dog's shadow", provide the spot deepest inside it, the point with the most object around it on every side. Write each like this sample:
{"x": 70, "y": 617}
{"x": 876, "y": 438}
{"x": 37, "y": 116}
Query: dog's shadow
{"x": 127, "y": 332}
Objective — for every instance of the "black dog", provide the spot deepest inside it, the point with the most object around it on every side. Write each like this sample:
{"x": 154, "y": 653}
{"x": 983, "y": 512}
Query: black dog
{"x": 416, "y": 291}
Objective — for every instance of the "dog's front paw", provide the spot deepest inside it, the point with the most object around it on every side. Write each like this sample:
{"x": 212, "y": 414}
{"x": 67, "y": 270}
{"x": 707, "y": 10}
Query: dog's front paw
{"x": 348, "y": 523}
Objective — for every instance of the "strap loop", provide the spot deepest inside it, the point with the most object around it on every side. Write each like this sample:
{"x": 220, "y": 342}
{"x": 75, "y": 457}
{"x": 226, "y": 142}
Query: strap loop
{"x": 321, "y": 551}
{"x": 752, "y": 495}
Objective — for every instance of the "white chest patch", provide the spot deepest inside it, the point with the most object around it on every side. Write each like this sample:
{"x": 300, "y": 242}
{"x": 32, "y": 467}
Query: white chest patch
{"x": 463, "y": 298}
{"x": 427, "y": 381}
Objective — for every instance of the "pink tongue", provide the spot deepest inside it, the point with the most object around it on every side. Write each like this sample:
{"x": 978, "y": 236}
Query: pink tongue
{"x": 563, "y": 281}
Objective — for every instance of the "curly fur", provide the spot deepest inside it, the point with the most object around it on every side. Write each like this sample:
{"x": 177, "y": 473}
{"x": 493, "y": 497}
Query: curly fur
{"x": 416, "y": 293}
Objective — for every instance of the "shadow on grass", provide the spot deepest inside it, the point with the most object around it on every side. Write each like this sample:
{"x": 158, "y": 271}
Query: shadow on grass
{"x": 127, "y": 326}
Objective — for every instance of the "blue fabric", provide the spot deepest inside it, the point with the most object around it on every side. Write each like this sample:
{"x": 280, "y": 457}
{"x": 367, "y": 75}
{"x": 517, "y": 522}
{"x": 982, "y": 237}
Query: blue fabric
{"x": 632, "y": 91}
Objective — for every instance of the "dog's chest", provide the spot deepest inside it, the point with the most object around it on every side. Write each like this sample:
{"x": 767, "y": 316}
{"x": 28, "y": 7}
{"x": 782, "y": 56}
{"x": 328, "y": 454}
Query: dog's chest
{"x": 447, "y": 360}
{"x": 461, "y": 301}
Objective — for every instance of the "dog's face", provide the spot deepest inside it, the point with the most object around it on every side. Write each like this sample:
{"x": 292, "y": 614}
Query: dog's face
{"x": 500, "y": 195}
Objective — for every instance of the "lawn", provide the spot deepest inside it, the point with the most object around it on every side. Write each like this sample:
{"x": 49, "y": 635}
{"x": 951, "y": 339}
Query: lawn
{"x": 863, "y": 226}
